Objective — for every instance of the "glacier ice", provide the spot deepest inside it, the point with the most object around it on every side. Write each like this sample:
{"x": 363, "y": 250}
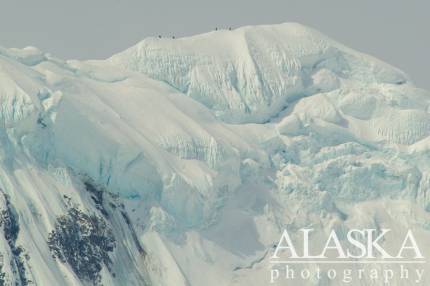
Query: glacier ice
{"x": 206, "y": 148}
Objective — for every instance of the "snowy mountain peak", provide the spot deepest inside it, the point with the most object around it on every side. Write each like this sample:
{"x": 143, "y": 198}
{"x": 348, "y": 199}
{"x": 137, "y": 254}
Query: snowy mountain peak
{"x": 181, "y": 161}
{"x": 251, "y": 73}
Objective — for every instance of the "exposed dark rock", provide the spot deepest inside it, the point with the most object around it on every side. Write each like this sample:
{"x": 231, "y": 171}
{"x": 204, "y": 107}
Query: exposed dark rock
{"x": 103, "y": 200}
{"x": 2, "y": 276}
{"x": 84, "y": 242}
{"x": 9, "y": 222}
{"x": 132, "y": 231}
{"x": 97, "y": 196}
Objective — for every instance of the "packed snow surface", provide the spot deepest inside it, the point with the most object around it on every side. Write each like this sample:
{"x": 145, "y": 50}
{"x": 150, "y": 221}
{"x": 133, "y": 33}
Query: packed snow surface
{"x": 205, "y": 149}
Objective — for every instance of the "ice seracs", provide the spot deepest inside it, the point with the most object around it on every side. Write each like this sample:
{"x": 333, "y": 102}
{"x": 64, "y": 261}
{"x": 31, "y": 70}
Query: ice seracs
{"x": 201, "y": 150}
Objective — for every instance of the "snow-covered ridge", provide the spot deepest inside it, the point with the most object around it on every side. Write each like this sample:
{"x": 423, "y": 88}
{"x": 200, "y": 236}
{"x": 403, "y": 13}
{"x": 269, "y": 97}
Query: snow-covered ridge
{"x": 249, "y": 74}
{"x": 195, "y": 153}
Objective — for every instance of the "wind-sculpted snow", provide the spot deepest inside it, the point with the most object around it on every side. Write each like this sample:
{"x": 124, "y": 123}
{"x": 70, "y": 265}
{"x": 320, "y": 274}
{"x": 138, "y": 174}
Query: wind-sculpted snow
{"x": 198, "y": 152}
{"x": 249, "y": 74}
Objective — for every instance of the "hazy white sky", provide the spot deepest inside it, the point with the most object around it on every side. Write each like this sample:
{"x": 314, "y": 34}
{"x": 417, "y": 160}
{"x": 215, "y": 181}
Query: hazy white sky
{"x": 396, "y": 31}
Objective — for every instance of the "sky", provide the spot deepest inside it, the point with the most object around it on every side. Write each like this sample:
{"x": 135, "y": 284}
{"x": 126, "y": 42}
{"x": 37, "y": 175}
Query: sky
{"x": 396, "y": 31}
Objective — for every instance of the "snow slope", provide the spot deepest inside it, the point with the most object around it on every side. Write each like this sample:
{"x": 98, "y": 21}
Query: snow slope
{"x": 198, "y": 152}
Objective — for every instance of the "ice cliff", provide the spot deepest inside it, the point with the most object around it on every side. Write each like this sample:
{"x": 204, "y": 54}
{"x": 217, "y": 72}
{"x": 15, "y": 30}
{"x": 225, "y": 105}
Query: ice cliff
{"x": 186, "y": 158}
